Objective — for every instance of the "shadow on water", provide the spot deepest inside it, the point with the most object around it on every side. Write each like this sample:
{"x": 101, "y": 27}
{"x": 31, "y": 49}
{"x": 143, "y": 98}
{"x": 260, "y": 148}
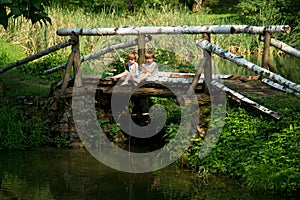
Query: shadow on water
{"x": 75, "y": 174}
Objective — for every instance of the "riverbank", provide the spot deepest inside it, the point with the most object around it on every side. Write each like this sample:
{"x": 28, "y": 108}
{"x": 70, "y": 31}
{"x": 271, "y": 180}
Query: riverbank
{"x": 260, "y": 152}
{"x": 52, "y": 173}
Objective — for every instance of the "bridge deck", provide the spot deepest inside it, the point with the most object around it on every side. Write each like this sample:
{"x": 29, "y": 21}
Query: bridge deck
{"x": 249, "y": 86}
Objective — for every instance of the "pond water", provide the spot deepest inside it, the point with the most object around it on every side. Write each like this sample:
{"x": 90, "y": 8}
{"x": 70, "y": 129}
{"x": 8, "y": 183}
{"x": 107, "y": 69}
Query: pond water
{"x": 74, "y": 174}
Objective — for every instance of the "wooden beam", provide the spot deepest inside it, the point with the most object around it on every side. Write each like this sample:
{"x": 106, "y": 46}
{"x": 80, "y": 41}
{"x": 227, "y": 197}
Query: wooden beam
{"x": 282, "y": 46}
{"x": 279, "y": 87}
{"x": 246, "y": 100}
{"x": 74, "y": 60}
{"x": 96, "y": 54}
{"x": 136, "y": 30}
{"x": 207, "y": 65}
{"x": 261, "y": 29}
{"x": 241, "y": 61}
{"x": 36, "y": 56}
{"x": 266, "y": 52}
{"x": 141, "y": 49}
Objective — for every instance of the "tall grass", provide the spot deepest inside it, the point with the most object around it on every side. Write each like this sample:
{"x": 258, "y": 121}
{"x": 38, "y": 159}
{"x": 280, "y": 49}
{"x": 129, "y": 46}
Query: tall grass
{"x": 34, "y": 38}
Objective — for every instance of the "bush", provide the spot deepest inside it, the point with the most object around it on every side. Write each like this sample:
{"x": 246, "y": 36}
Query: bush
{"x": 262, "y": 152}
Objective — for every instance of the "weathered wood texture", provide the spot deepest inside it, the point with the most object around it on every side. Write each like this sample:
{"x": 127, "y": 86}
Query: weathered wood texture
{"x": 239, "y": 60}
{"x": 136, "y": 30}
{"x": 141, "y": 49}
{"x": 266, "y": 62}
{"x": 93, "y": 83}
{"x": 36, "y": 56}
{"x": 253, "y": 89}
{"x": 261, "y": 29}
{"x": 282, "y": 46}
{"x": 96, "y": 54}
{"x": 74, "y": 60}
{"x": 207, "y": 64}
{"x": 279, "y": 87}
{"x": 239, "y": 88}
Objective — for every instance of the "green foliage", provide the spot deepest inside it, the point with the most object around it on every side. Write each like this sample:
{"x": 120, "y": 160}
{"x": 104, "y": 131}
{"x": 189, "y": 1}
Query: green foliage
{"x": 263, "y": 13}
{"x": 18, "y": 131}
{"x": 171, "y": 107}
{"x": 61, "y": 141}
{"x": 38, "y": 67}
{"x": 111, "y": 128}
{"x": 10, "y": 53}
{"x": 33, "y": 10}
{"x": 261, "y": 151}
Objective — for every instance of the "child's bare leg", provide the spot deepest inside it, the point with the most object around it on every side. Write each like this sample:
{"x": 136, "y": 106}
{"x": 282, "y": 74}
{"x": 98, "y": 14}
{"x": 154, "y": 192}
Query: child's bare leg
{"x": 126, "y": 79}
{"x": 141, "y": 78}
{"x": 119, "y": 75}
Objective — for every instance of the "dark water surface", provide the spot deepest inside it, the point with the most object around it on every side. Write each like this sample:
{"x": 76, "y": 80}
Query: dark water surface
{"x": 74, "y": 174}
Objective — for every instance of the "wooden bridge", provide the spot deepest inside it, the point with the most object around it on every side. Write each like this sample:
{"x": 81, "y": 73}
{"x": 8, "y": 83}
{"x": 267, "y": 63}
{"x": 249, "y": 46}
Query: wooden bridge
{"x": 265, "y": 83}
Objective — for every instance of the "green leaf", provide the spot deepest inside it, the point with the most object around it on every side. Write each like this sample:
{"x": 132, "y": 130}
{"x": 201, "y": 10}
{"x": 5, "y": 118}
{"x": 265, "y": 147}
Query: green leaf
{"x": 3, "y": 17}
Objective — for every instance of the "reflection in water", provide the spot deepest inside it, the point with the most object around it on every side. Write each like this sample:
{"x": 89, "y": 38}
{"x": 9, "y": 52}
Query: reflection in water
{"x": 75, "y": 174}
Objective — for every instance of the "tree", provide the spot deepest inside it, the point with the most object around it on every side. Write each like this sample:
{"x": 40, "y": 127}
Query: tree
{"x": 33, "y": 10}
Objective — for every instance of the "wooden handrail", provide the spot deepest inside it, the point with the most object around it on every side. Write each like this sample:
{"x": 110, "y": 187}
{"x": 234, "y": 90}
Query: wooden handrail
{"x": 239, "y": 60}
{"x": 136, "y": 30}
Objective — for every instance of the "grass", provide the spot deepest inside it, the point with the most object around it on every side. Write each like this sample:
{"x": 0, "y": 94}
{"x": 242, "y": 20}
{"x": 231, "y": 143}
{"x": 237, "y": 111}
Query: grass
{"x": 34, "y": 38}
{"x": 19, "y": 84}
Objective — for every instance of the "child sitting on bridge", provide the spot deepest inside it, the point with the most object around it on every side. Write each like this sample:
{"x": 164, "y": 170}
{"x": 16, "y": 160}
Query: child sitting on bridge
{"x": 133, "y": 68}
{"x": 150, "y": 69}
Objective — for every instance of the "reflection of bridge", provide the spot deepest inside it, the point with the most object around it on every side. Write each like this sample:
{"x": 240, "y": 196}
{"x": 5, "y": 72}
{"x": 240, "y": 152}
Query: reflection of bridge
{"x": 237, "y": 87}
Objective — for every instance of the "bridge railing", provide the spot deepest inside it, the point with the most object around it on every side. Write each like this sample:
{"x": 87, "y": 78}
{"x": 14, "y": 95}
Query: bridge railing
{"x": 144, "y": 35}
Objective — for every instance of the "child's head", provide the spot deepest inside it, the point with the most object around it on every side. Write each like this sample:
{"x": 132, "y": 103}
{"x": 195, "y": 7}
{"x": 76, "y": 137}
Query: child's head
{"x": 149, "y": 55}
{"x": 133, "y": 56}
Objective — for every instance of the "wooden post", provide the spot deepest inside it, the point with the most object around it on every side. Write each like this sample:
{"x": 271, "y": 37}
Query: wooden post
{"x": 266, "y": 63}
{"x": 207, "y": 64}
{"x": 74, "y": 59}
{"x": 77, "y": 63}
{"x": 241, "y": 61}
{"x": 141, "y": 49}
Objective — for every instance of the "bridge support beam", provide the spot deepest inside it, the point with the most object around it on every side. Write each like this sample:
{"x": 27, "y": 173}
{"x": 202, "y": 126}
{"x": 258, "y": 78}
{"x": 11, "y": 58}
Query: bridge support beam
{"x": 74, "y": 59}
{"x": 207, "y": 65}
{"x": 266, "y": 62}
{"x": 141, "y": 49}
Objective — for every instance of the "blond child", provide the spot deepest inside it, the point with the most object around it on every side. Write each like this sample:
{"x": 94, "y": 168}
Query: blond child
{"x": 133, "y": 68}
{"x": 148, "y": 69}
